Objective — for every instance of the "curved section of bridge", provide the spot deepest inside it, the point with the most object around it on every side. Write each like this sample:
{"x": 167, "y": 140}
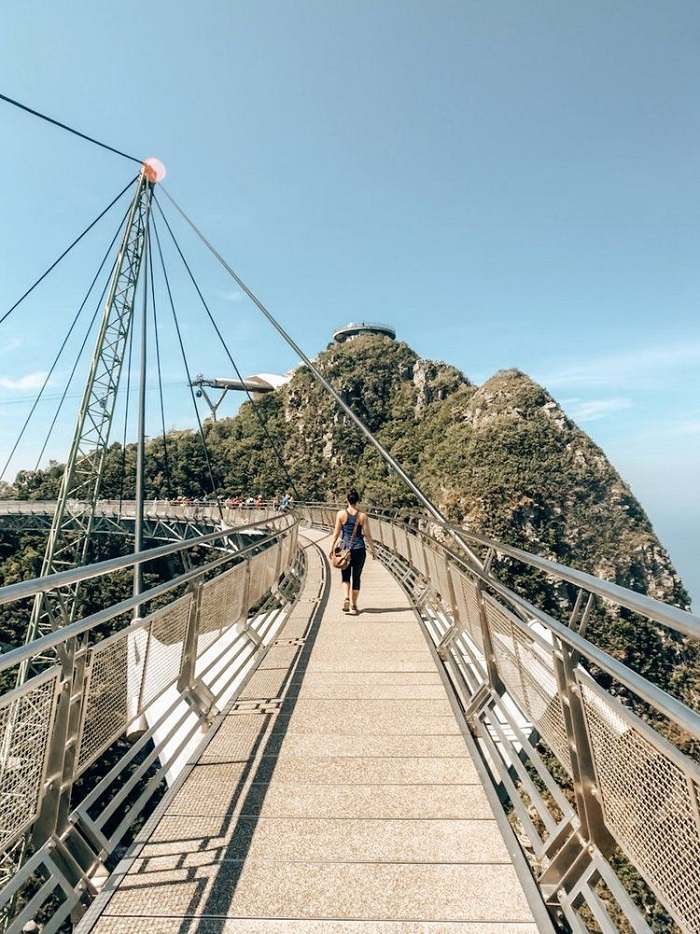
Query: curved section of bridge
{"x": 336, "y": 792}
{"x": 163, "y": 520}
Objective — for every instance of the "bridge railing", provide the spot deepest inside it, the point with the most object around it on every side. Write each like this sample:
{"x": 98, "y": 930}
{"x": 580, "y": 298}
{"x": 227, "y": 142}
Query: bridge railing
{"x": 599, "y": 792}
{"x": 244, "y": 514}
{"x": 89, "y": 743}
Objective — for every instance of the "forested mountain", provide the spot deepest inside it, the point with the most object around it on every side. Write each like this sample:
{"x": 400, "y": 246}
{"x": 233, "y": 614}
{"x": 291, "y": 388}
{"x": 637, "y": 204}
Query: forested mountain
{"x": 502, "y": 459}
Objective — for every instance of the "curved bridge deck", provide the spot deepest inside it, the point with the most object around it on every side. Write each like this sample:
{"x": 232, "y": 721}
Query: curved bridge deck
{"x": 336, "y": 794}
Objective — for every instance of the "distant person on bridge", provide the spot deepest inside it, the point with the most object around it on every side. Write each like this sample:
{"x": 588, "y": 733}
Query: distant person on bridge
{"x": 345, "y": 523}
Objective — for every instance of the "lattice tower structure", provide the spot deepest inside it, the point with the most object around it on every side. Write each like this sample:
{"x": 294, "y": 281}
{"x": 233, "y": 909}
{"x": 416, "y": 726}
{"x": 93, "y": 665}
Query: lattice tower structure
{"x": 75, "y": 509}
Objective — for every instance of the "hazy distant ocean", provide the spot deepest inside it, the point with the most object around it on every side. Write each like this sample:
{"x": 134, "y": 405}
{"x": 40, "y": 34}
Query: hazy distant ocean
{"x": 683, "y": 543}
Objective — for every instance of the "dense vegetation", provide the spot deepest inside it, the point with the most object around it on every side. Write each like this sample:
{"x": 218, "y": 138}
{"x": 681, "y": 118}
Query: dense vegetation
{"x": 502, "y": 459}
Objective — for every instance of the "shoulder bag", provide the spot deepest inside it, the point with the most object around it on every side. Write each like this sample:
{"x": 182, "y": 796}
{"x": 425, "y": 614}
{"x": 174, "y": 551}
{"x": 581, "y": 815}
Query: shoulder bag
{"x": 341, "y": 556}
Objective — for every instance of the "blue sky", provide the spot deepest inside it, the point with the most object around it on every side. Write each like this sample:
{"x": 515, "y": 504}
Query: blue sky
{"x": 510, "y": 183}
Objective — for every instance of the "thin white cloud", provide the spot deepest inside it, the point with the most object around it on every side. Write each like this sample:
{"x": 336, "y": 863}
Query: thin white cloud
{"x": 642, "y": 367}
{"x": 30, "y": 381}
{"x": 684, "y": 427}
{"x": 593, "y": 410}
{"x": 229, "y": 295}
{"x": 10, "y": 346}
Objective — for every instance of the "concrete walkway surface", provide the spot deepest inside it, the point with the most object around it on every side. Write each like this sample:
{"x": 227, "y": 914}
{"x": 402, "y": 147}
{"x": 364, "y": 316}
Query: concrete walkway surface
{"x": 335, "y": 795}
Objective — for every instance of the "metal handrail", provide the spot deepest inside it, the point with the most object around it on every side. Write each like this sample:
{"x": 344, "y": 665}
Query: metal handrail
{"x": 681, "y": 621}
{"x": 52, "y": 639}
{"x": 629, "y": 786}
{"x": 163, "y": 672}
{"x": 23, "y": 589}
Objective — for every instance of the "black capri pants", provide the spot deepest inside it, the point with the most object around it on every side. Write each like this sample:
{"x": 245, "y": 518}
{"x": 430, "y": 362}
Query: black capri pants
{"x": 358, "y": 556}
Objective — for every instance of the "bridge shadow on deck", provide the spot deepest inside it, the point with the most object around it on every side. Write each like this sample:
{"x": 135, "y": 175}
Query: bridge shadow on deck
{"x": 336, "y": 793}
{"x": 248, "y": 797}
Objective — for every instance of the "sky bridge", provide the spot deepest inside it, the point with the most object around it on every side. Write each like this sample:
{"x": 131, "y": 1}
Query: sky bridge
{"x": 195, "y": 737}
{"x": 441, "y": 762}
{"x": 335, "y": 792}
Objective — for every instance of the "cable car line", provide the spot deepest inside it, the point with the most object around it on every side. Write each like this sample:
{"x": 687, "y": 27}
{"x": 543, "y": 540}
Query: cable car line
{"x": 67, "y": 250}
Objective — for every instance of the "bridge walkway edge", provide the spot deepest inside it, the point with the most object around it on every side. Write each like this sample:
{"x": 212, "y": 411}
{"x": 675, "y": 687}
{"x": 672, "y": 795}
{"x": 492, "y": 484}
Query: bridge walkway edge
{"x": 335, "y": 794}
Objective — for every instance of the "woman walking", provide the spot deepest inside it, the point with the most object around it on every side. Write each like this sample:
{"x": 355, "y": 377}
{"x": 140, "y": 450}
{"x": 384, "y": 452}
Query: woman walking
{"x": 352, "y": 528}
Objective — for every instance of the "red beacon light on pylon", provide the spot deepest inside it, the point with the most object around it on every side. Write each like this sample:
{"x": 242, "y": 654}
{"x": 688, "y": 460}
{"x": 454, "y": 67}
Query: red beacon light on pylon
{"x": 154, "y": 170}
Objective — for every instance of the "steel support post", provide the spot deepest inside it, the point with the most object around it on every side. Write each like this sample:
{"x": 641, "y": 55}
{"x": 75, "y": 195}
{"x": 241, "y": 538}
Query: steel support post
{"x": 195, "y": 693}
{"x": 56, "y": 788}
{"x": 457, "y": 626}
{"x": 573, "y": 858}
{"x": 189, "y": 651}
{"x": 495, "y": 682}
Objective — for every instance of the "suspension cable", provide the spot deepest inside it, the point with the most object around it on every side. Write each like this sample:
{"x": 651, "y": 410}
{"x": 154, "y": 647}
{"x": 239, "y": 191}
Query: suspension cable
{"x": 187, "y": 369}
{"x": 61, "y": 349}
{"x": 64, "y": 126}
{"x": 388, "y": 458}
{"x": 166, "y": 465}
{"x": 67, "y": 250}
{"x": 72, "y": 374}
{"x": 248, "y": 393}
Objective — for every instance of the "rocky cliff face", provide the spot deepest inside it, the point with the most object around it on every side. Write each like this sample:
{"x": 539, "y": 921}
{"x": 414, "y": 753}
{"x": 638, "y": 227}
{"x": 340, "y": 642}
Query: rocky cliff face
{"x": 501, "y": 458}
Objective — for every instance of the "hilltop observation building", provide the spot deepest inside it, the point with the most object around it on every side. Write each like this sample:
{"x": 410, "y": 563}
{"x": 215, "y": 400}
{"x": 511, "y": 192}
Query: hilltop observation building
{"x": 353, "y": 329}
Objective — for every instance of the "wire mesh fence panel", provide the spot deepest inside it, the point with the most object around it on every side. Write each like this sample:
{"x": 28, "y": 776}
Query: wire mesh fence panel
{"x": 321, "y": 515}
{"x": 167, "y": 629}
{"x": 212, "y": 612}
{"x": 432, "y": 571}
{"x": 284, "y": 549}
{"x": 650, "y": 794}
{"x": 272, "y": 565}
{"x": 417, "y": 554}
{"x": 329, "y": 515}
{"x": 105, "y": 714}
{"x": 527, "y": 670}
{"x": 401, "y": 545}
{"x": 411, "y": 549}
{"x": 383, "y": 533}
{"x": 258, "y": 577}
{"x": 437, "y": 574}
{"x": 293, "y": 541}
{"x": 25, "y": 725}
{"x": 289, "y": 550}
{"x": 235, "y": 580}
{"x": 467, "y": 601}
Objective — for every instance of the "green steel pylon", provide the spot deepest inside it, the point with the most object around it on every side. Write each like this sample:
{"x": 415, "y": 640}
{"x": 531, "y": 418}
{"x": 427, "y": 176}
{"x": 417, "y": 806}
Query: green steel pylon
{"x": 75, "y": 509}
